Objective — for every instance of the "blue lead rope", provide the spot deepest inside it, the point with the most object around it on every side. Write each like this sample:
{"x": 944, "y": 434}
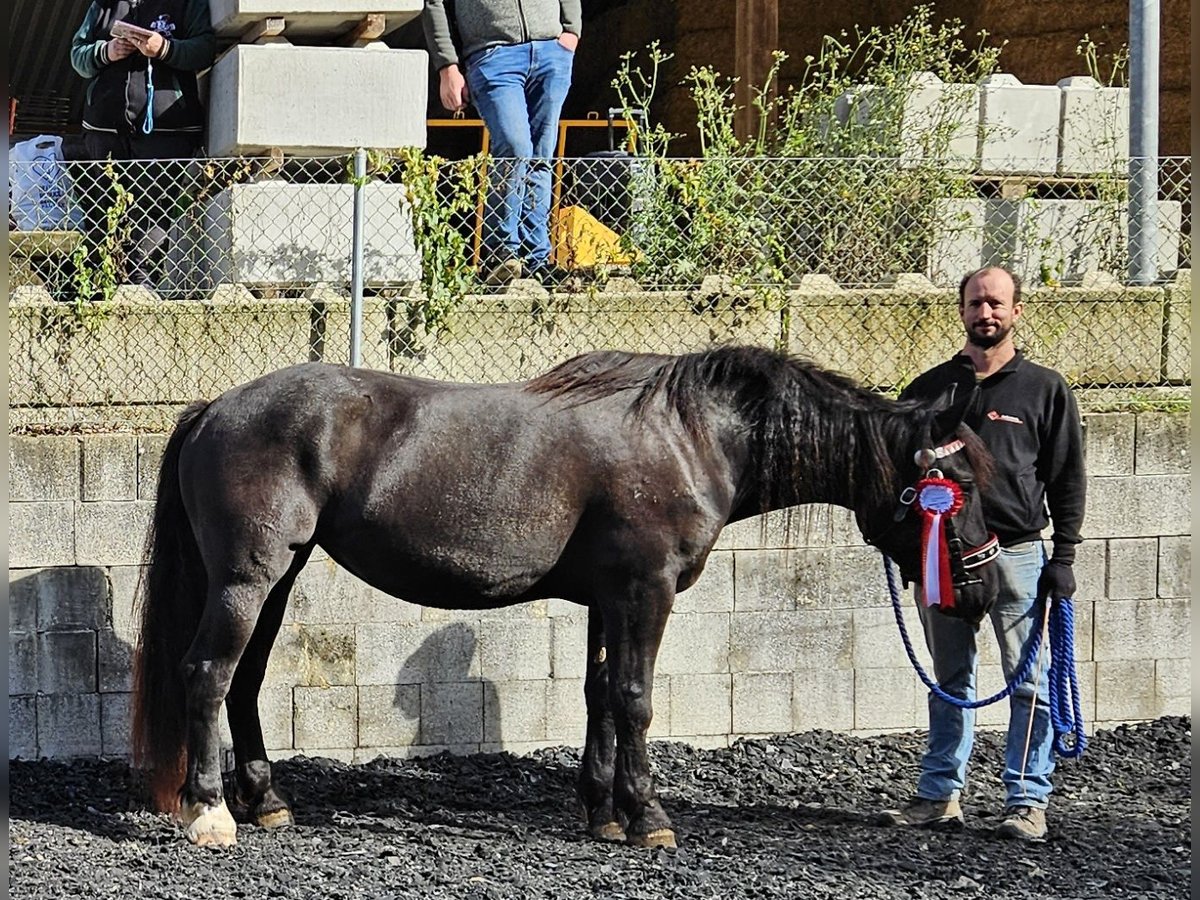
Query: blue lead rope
{"x": 1066, "y": 715}
{"x": 148, "y": 121}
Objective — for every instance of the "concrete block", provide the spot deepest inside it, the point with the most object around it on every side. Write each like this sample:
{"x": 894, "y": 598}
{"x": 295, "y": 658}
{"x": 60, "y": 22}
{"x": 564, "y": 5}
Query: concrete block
{"x": 1093, "y": 128}
{"x": 762, "y": 703}
{"x": 1091, "y": 567}
{"x": 783, "y": 641}
{"x": 1109, "y": 443}
{"x": 569, "y": 647}
{"x": 1132, "y": 568}
{"x": 782, "y": 579}
{"x": 1173, "y": 686}
{"x": 1141, "y": 506}
{"x": 514, "y": 712}
{"x": 313, "y": 655}
{"x": 1163, "y": 444}
{"x": 1125, "y": 690}
{"x": 812, "y": 525}
{"x": 1018, "y": 126}
{"x": 887, "y": 698}
{"x": 45, "y": 467}
{"x": 68, "y": 725}
{"x": 695, "y": 644}
{"x": 420, "y": 652}
{"x": 325, "y": 717}
{"x": 109, "y": 467}
{"x": 23, "y": 599}
{"x": 22, "y": 663}
{"x": 514, "y": 649}
{"x": 115, "y": 657}
{"x": 823, "y": 698}
{"x": 66, "y": 662}
{"x": 660, "y": 699}
{"x": 124, "y": 583}
{"x": 150, "y": 449}
{"x": 877, "y": 643}
{"x": 116, "y": 717}
{"x": 1177, "y": 356}
{"x": 275, "y": 714}
{"x": 66, "y": 598}
{"x": 389, "y": 715}
{"x": 713, "y": 591}
{"x": 566, "y": 711}
{"x": 316, "y": 101}
{"x": 1174, "y": 567}
{"x": 558, "y": 609}
{"x": 41, "y": 534}
{"x": 957, "y": 244}
{"x": 1142, "y": 629}
{"x": 22, "y": 728}
{"x": 452, "y": 713}
{"x": 312, "y": 18}
{"x": 325, "y": 592}
{"x": 701, "y": 704}
{"x": 110, "y": 533}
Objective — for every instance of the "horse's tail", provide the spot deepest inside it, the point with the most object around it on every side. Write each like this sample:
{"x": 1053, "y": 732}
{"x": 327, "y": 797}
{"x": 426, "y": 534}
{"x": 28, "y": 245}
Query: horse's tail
{"x": 170, "y": 602}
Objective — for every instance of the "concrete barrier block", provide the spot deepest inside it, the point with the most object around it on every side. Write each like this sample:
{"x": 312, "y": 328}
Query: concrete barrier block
{"x": 1142, "y": 629}
{"x": 323, "y": 19}
{"x": 22, "y": 728}
{"x": 695, "y": 644}
{"x": 701, "y": 704}
{"x": 124, "y": 582}
{"x": 68, "y": 725}
{"x": 150, "y": 449}
{"x": 275, "y": 713}
{"x": 1091, "y": 568}
{"x": 1132, "y": 568}
{"x": 325, "y": 717}
{"x": 41, "y": 534}
{"x": 887, "y": 698}
{"x": 1173, "y": 686}
{"x": 958, "y": 238}
{"x": 877, "y": 643}
{"x": 257, "y": 91}
{"x": 1174, "y": 567}
{"x": 111, "y": 533}
{"x": 115, "y": 658}
{"x": 1177, "y": 363}
{"x": 1093, "y": 126}
{"x": 313, "y": 655}
{"x": 416, "y": 653}
{"x": 116, "y": 716}
{"x": 452, "y": 713}
{"x": 823, "y": 698}
{"x": 514, "y": 649}
{"x": 1109, "y": 443}
{"x": 23, "y": 599}
{"x": 66, "y": 662}
{"x": 1163, "y": 444}
{"x": 109, "y": 467}
{"x": 568, "y": 650}
{"x": 1141, "y": 506}
{"x": 326, "y": 592}
{"x": 22, "y": 663}
{"x": 762, "y": 703}
{"x": 67, "y": 598}
{"x": 45, "y": 467}
{"x": 782, "y": 579}
{"x": 713, "y": 591}
{"x": 783, "y": 641}
{"x": 514, "y": 712}
{"x": 1117, "y": 700}
{"x": 1018, "y": 126}
{"x": 566, "y": 711}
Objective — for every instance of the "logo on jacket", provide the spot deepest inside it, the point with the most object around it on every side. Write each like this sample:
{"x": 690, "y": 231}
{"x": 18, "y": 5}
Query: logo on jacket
{"x": 1001, "y": 417}
{"x": 163, "y": 25}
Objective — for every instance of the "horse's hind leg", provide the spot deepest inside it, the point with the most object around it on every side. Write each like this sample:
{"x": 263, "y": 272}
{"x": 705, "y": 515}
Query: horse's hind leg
{"x": 599, "y": 752}
{"x": 256, "y": 790}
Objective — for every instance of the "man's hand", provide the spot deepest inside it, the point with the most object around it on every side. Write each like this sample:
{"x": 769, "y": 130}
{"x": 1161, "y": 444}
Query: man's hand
{"x": 1057, "y": 581}
{"x": 453, "y": 88}
{"x": 118, "y": 48}
{"x": 151, "y": 45}
{"x": 569, "y": 40}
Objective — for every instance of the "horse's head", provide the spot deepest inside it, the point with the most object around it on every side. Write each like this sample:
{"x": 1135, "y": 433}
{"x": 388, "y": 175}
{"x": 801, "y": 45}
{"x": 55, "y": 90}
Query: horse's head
{"x": 935, "y": 532}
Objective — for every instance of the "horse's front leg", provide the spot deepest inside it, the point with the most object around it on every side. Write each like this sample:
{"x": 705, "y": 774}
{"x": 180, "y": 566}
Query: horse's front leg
{"x": 599, "y": 751}
{"x": 633, "y": 623}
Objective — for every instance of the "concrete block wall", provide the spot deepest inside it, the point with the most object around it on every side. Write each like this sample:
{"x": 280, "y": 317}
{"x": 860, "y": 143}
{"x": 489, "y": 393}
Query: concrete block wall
{"x": 789, "y": 628}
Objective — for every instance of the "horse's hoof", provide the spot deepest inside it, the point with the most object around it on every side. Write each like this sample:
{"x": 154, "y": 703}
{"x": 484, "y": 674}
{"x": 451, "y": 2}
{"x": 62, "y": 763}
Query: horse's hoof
{"x": 208, "y": 826}
{"x": 660, "y": 837}
{"x": 278, "y": 818}
{"x": 609, "y": 831}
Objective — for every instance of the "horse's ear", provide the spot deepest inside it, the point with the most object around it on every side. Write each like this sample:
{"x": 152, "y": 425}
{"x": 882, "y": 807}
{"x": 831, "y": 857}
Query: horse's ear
{"x": 950, "y": 408}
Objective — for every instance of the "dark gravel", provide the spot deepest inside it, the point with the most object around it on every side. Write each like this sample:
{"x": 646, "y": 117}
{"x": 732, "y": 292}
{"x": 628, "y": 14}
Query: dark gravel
{"x": 786, "y": 817}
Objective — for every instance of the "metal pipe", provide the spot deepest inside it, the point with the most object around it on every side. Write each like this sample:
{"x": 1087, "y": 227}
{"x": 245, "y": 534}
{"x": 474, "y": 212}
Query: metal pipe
{"x": 1143, "y": 140}
{"x": 356, "y": 258}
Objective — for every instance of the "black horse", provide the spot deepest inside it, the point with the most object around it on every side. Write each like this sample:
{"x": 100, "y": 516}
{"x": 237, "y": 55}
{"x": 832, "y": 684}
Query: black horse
{"x": 604, "y": 481}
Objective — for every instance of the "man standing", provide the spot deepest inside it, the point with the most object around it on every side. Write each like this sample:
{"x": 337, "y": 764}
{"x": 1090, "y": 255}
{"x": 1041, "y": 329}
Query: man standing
{"x": 1027, "y": 416}
{"x": 512, "y": 59}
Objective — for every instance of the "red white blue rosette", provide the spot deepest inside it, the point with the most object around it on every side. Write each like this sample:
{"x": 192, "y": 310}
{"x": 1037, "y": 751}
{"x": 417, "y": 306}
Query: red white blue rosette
{"x": 938, "y": 499}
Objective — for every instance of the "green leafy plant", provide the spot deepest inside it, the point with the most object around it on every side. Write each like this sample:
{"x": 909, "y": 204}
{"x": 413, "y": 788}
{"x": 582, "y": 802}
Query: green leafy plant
{"x": 97, "y": 269}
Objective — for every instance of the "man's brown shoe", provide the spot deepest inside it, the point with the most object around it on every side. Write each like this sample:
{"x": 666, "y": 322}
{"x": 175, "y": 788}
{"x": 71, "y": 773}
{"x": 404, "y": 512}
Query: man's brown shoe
{"x": 1027, "y": 823}
{"x": 922, "y": 813}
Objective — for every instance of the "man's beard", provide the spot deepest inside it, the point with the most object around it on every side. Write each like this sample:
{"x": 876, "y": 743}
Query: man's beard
{"x": 986, "y": 341}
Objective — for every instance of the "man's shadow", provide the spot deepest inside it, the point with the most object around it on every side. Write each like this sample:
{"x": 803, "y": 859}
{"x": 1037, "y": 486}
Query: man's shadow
{"x": 436, "y": 688}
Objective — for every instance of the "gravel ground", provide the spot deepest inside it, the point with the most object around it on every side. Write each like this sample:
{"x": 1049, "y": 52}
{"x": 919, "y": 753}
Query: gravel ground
{"x": 786, "y": 817}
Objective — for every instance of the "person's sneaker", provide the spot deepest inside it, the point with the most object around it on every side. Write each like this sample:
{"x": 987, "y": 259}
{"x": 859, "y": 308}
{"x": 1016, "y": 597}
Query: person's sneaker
{"x": 1027, "y": 823}
{"x": 503, "y": 273}
{"x": 922, "y": 813}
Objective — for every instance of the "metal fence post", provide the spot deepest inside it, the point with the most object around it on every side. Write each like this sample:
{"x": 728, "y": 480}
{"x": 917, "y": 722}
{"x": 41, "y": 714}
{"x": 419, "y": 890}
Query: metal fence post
{"x": 356, "y": 258}
{"x": 1143, "y": 139}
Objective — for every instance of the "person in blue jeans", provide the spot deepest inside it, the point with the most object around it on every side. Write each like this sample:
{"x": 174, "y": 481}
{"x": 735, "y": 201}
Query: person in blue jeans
{"x": 1027, "y": 416}
{"x": 512, "y": 59}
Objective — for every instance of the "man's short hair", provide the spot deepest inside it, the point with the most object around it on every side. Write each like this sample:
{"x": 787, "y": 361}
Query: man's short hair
{"x": 1016, "y": 280}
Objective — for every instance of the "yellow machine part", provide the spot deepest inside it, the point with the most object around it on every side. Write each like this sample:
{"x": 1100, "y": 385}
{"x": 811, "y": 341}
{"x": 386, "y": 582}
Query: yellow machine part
{"x": 580, "y": 241}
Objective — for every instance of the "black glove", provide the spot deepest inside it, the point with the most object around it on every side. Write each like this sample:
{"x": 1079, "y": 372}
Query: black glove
{"x": 1057, "y": 581}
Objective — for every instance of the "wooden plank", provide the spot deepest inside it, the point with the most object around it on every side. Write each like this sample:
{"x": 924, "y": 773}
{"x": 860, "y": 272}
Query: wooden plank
{"x": 756, "y": 36}
{"x": 369, "y": 28}
{"x": 264, "y": 31}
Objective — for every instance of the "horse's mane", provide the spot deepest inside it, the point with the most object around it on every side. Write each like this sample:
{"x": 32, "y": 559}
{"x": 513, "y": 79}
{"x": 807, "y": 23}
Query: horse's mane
{"x": 814, "y": 431}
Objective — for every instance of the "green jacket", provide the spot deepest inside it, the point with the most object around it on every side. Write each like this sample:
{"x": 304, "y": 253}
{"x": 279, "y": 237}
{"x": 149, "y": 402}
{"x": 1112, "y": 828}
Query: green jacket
{"x": 455, "y": 29}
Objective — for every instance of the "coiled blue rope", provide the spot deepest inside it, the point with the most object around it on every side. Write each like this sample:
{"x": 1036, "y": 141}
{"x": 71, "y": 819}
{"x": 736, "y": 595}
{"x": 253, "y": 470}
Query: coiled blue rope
{"x": 1066, "y": 715}
{"x": 148, "y": 121}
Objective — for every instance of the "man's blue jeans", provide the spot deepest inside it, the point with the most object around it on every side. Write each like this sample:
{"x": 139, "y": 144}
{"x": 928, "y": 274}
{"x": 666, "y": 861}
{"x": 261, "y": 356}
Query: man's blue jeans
{"x": 519, "y": 90}
{"x": 1016, "y": 619}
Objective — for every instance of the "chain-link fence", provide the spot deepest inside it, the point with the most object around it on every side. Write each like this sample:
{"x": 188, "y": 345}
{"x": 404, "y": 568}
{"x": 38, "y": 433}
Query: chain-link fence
{"x": 138, "y": 286}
